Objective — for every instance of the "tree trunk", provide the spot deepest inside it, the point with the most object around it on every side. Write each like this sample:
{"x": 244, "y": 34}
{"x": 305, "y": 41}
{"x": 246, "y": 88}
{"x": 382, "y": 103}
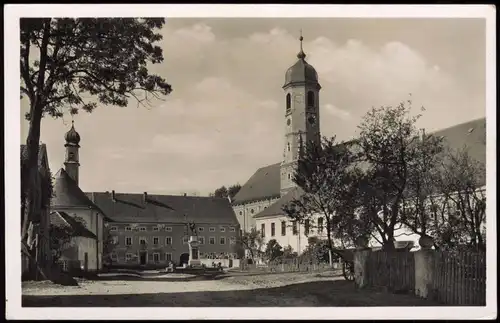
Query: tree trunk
{"x": 32, "y": 203}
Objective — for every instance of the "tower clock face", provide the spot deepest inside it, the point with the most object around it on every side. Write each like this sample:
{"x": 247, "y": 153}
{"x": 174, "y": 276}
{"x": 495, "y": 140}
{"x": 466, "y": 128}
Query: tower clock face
{"x": 298, "y": 98}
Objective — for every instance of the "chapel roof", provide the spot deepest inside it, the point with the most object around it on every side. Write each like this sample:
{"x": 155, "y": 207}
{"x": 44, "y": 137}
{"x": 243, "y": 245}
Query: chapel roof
{"x": 263, "y": 184}
{"x": 78, "y": 229}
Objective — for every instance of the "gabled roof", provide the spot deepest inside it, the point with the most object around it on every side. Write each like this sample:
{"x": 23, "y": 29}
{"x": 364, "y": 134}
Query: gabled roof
{"x": 276, "y": 208}
{"x": 470, "y": 135}
{"x": 78, "y": 229}
{"x": 264, "y": 184}
{"x": 130, "y": 208}
{"x": 68, "y": 194}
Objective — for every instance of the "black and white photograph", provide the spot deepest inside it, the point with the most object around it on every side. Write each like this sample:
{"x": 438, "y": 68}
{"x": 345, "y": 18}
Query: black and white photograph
{"x": 250, "y": 161}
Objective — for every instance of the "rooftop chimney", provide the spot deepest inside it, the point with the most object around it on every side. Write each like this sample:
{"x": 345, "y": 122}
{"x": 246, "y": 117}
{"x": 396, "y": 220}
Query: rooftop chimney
{"x": 113, "y": 195}
{"x": 145, "y": 198}
{"x": 185, "y": 194}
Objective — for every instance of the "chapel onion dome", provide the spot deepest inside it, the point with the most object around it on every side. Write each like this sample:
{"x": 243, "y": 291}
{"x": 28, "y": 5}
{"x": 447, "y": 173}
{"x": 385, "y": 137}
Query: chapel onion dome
{"x": 72, "y": 137}
{"x": 301, "y": 71}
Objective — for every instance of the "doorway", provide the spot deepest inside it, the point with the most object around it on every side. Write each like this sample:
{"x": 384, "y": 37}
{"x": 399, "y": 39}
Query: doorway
{"x": 143, "y": 258}
{"x": 184, "y": 259}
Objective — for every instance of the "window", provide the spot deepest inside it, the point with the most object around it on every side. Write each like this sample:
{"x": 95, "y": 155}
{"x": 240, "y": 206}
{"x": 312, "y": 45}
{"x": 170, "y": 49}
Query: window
{"x": 294, "y": 228}
{"x": 306, "y": 227}
{"x": 156, "y": 257}
{"x": 113, "y": 229}
{"x": 310, "y": 99}
{"x": 211, "y": 229}
{"x": 283, "y": 228}
{"x": 273, "y": 229}
{"x": 289, "y": 176}
{"x": 128, "y": 241}
{"x": 288, "y": 102}
{"x": 288, "y": 147}
{"x": 201, "y": 240}
{"x": 251, "y": 211}
{"x": 128, "y": 228}
{"x": 222, "y": 240}
{"x": 263, "y": 230}
{"x": 142, "y": 229}
{"x": 168, "y": 256}
{"x": 222, "y": 229}
{"x": 232, "y": 229}
{"x": 128, "y": 256}
{"x": 211, "y": 240}
{"x": 241, "y": 212}
{"x": 114, "y": 256}
{"x": 185, "y": 240}
{"x": 168, "y": 240}
{"x": 156, "y": 241}
{"x": 201, "y": 229}
{"x": 142, "y": 241}
{"x": 168, "y": 229}
{"x": 320, "y": 225}
{"x": 156, "y": 229}
{"x": 232, "y": 240}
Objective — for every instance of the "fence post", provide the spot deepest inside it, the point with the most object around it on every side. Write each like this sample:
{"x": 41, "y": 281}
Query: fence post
{"x": 361, "y": 267}
{"x": 424, "y": 272}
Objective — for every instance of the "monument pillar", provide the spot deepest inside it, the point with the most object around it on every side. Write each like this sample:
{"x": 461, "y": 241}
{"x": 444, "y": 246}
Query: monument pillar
{"x": 194, "y": 253}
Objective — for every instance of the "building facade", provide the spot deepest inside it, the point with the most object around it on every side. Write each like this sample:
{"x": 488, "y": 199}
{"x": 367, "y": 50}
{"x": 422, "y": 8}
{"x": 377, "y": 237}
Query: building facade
{"x": 153, "y": 230}
{"x": 259, "y": 202}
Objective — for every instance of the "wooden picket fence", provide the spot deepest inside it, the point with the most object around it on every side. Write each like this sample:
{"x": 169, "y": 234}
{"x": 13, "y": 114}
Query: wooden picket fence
{"x": 286, "y": 267}
{"x": 460, "y": 278}
{"x": 392, "y": 270}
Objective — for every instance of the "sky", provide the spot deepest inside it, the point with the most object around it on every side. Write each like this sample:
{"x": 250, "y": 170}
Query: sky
{"x": 225, "y": 116}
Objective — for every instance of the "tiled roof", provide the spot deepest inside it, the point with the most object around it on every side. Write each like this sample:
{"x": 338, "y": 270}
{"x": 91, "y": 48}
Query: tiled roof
{"x": 68, "y": 194}
{"x": 64, "y": 220}
{"x": 470, "y": 134}
{"x": 276, "y": 208}
{"x": 264, "y": 184}
{"x": 130, "y": 208}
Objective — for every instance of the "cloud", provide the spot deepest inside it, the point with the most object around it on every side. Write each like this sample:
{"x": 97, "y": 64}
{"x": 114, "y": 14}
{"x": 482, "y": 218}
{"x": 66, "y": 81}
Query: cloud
{"x": 333, "y": 110}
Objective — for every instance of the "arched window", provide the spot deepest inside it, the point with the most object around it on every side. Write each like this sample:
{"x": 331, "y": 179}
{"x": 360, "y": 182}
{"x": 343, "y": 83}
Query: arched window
{"x": 310, "y": 99}
{"x": 288, "y": 102}
{"x": 288, "y": 146}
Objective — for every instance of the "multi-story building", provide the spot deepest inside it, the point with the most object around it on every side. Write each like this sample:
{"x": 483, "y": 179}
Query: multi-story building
{"x": 152, "y": 230}
{"x": 148, "y": 229}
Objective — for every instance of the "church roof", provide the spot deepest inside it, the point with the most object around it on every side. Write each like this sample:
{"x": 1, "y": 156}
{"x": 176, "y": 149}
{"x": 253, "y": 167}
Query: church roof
{"x": 131, "y": 208}
{"x": 62, "y": 219}
{"x": 471, "y": 134}
{"x": 264, "y": 184}
{"x": 276, "y": 208}
{"x": 68, "y": 194}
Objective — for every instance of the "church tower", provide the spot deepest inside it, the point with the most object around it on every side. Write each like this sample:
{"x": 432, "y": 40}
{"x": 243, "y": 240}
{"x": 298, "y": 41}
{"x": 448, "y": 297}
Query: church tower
{"x": 71, "y": 160}
{"x": 301, "y": 115}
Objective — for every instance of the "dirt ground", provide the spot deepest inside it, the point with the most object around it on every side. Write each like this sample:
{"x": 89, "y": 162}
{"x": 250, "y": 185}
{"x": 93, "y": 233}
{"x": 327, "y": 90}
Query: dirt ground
{"x": 241, "y": 290}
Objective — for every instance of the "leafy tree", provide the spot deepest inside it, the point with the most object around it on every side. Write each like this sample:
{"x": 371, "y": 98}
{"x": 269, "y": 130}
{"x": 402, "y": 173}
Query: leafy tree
{"x": 108, "y": 244}
{"x": 317, "y": 250}
{"x": 251, "y": 241}
{"x": 387, "y": 147}
{"x": 288, "y": 253}
{"x": 223, "y": 192}
{"x": 325, "y": 176}
{"x": 273, "y": 250}
{"x": 61, "y": 238}
{"x": 70, "y": 64}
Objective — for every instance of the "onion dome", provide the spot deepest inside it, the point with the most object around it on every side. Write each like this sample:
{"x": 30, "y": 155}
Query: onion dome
{"x": 72, "y": 137}
{"x": 301, "y": 71}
